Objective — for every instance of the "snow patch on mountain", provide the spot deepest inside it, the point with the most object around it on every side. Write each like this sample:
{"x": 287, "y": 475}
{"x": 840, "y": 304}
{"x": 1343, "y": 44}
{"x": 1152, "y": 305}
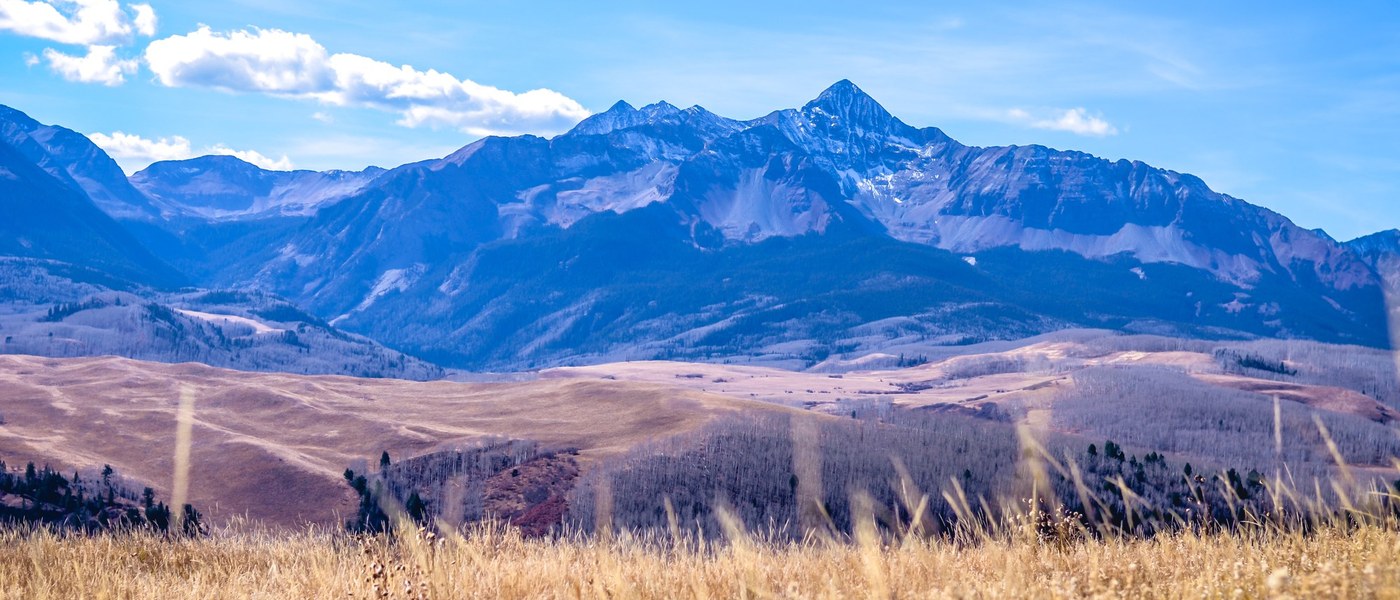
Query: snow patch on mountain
{"x": 289, "y": 252}
{"x": 258, "y": 327}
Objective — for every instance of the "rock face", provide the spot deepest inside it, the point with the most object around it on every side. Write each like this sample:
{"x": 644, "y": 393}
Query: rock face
{"x": 831, "y": 229}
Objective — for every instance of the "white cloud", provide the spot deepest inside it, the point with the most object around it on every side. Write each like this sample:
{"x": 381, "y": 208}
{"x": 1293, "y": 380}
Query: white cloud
{"x": 30, "y": 59}
{"x": 100, "y": 65}
{"x": 121, "y": 145}
{"x": 323, "y": 117}
{"x": 78, "y": 22}
{"x": 1074, "y": 120}
{"x": 294, "y": 65}
{"x": 144, "y": 19}
{"x": 262, "y": 60}
{"x": 1079, "y": 122}
{"x": 134, "y": 152}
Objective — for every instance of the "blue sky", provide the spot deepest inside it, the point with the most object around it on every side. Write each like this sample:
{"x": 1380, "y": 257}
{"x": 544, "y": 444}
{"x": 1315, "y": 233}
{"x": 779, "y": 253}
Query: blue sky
{"x": 1294, "y": 106}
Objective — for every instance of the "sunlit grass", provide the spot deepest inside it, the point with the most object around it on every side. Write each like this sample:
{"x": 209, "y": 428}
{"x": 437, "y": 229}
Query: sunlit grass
{"x": 490, "y": 562}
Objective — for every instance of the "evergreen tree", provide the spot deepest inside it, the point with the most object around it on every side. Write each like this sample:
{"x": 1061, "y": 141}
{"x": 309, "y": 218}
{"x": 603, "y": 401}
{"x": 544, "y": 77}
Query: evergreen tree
{"x": 417, "y": 510}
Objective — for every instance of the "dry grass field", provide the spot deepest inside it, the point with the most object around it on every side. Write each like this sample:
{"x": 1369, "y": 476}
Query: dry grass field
{"x": 272, "y": 446}
{"x": 492, "y": 563}
{"x": 268, "y": 451}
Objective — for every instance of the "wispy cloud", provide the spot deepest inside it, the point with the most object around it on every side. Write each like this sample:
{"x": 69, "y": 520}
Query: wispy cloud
{"x": 282, "y": 63}
{"x": 1074, "y": 120}
{"x": 134, "y": 152}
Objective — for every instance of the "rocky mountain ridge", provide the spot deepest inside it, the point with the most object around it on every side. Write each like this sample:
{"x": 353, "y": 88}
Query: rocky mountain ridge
{"x": 830, "y": 229}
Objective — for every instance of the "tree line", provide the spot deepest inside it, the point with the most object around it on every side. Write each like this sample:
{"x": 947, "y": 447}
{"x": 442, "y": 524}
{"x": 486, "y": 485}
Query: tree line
{"x": 44, "y": 496}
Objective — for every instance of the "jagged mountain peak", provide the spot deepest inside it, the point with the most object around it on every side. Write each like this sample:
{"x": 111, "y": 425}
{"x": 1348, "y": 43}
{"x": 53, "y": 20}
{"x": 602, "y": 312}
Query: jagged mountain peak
{"x": 841, "y": 91}
{"x": 623, "y": 116}
{"x": 619, "y": 116}
{"x": 843, "y": 106}
{"x": 845, "y": 101}
{"x": 660, "y": 108}
{"x": 619, "y": 107}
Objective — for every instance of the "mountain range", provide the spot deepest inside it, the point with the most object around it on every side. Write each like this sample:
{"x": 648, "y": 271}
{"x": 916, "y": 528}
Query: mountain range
{"x": 832, "y": 231}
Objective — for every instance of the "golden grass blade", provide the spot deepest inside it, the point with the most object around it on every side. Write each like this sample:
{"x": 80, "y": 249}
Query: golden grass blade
{"x": 184, "y": 431}
{"x": 1333, "y": 450}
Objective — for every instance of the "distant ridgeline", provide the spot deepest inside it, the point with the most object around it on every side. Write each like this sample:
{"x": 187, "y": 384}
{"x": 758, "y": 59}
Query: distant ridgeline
{"x": 832, "y": 230}
{"x": 100, "y": 502}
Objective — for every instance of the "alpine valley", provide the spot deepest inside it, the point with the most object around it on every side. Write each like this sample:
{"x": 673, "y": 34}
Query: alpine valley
{"x": 816, "y": 237}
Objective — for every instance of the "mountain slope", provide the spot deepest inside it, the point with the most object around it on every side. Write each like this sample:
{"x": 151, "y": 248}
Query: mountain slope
{"x": 47, "y": 219}
{"x": 61, "y": 310}
{"x": 76, "y": 162}
{"x": 75, "y": 282}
